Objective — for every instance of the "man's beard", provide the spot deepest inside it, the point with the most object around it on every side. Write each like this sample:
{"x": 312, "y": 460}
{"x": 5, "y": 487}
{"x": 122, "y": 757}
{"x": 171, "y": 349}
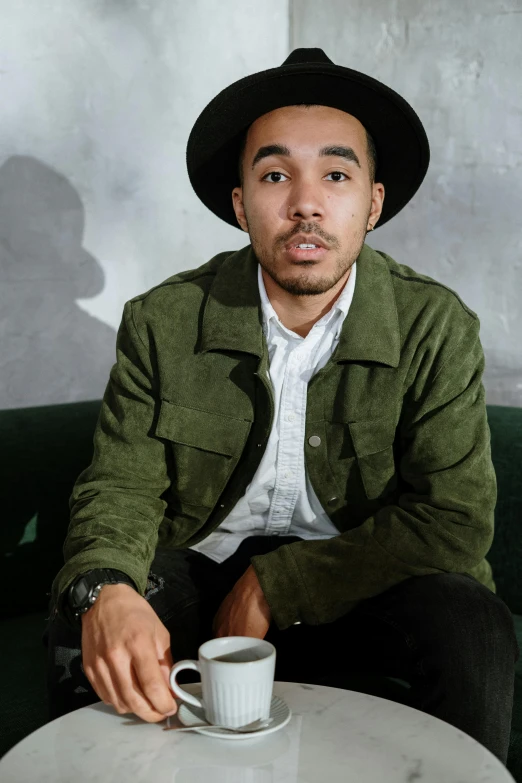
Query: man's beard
{"x": 305, "y": 284}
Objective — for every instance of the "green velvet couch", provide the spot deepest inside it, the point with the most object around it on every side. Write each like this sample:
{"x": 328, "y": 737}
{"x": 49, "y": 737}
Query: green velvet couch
{"x": 42, "y": 452}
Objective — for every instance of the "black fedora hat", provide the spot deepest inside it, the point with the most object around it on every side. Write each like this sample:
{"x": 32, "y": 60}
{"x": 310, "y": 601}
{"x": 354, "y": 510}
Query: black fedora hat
{"x": 306, "y": 76}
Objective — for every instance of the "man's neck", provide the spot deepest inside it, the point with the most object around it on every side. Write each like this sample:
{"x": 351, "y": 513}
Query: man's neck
{"x": 300, "y": 313}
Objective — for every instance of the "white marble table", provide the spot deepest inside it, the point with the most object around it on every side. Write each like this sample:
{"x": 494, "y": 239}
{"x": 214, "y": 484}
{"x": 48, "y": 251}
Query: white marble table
{"x": 333, "y": 735}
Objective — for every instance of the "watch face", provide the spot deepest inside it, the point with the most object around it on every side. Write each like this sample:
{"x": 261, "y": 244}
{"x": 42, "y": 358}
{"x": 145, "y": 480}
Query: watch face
{"x": 80, "y": 593}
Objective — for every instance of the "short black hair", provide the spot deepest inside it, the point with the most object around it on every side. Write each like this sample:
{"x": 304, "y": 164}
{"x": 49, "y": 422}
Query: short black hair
{"x": 371, "y": 151}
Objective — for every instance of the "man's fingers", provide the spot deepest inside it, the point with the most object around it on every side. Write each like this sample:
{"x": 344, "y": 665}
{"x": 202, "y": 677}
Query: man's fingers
{"x": 164, "y": 655}
{"x": 150, "y": 682}
{"x": 125, "y": 692}
{"x": 105, "y": 687}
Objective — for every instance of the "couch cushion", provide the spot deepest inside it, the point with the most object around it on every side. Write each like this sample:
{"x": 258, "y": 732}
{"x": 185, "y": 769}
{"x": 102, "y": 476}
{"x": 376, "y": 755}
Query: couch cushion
{"x": 23, "y": 659}
{"x": 504, "y": 556}
{"x": 43, "y": 452}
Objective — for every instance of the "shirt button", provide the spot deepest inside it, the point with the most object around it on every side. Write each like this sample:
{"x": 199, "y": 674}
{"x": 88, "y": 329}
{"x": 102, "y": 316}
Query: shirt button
{"x": 291, "y": 416}
{"x": 315, "y": 440}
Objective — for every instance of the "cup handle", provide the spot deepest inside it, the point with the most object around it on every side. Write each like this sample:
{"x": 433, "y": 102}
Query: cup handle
{"x": 178, "y": 690}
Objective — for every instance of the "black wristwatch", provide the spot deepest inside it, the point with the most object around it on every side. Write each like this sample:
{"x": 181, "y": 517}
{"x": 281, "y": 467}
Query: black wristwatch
{"x": 85, "y": 589}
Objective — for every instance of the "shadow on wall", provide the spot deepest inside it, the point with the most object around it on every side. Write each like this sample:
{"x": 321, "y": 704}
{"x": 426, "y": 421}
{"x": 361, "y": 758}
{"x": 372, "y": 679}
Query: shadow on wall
{"x": 51, "y": 351}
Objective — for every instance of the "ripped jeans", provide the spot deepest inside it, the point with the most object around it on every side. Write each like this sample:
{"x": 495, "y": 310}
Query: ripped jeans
{"x": 446, "y": 634}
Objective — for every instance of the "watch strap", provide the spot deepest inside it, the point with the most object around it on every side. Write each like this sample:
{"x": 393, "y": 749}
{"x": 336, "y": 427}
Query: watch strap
{"x": 82, "y": 590}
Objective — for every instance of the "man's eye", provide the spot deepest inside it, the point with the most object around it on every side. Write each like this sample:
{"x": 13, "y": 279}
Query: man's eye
{"x": 279, "y": 174}
{"x": 276, "y": 173}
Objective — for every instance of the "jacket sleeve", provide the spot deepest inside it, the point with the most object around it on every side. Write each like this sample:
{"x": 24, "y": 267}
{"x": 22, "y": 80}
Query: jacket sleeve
{"x": 116, "y": 505}
{"x": 444, "y": 522}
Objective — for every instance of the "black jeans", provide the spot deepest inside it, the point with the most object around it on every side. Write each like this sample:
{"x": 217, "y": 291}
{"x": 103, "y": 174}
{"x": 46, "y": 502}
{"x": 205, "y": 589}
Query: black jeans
{"x": 447, "y": 635}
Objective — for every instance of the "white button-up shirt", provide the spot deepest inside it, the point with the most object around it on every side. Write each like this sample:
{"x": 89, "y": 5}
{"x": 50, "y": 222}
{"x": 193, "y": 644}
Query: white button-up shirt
{"x": 280, "y": 499}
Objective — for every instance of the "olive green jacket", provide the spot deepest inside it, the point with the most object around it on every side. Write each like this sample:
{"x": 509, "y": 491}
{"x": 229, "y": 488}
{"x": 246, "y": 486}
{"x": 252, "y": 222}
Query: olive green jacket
{"x": 397, "y": 442}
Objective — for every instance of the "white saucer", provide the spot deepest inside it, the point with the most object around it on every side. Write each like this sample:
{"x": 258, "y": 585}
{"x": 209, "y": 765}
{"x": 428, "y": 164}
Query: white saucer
{"x": 190, "y": 715}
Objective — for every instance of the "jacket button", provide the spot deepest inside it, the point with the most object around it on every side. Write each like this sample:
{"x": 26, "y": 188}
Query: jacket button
{"x": 315, "y": 440}
{"x": 297, "y": 622}
{"x": 332, "y": 501}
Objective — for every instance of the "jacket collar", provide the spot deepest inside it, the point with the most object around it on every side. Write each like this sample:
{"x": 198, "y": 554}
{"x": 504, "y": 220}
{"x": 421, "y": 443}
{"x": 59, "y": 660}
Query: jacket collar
{"x": 233, "y": 319}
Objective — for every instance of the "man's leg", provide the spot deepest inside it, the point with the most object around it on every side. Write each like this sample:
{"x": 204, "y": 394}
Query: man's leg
{"x": 446, "y": 634}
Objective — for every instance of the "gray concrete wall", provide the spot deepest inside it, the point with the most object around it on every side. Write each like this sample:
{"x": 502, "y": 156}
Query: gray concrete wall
{"x": 458, "y": 64}
{"x": 98, "y": 99}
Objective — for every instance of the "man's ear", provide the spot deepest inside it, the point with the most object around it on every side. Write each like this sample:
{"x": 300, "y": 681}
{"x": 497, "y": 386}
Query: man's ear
{"x": 377, "y": 202}
{"x": 239, "y": 209}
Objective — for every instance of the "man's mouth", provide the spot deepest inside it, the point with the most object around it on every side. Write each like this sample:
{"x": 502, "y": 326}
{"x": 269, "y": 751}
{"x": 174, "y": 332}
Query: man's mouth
{"x": 305, "y": 250}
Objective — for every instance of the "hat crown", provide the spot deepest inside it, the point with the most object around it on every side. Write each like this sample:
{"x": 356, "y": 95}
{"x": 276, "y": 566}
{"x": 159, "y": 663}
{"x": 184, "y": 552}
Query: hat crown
{"x": 307, "y": 56}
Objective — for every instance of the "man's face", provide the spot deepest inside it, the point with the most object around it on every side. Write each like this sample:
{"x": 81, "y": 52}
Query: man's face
{"x": 329, "y": 196}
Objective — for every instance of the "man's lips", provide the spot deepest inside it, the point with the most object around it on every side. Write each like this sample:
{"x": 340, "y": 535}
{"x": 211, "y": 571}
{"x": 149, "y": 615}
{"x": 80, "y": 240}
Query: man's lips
{"x": 300, "y": 253}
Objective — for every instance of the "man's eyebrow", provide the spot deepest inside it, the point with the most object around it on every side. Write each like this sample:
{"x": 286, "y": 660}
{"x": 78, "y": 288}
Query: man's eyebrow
{"x": 338, "y": 151}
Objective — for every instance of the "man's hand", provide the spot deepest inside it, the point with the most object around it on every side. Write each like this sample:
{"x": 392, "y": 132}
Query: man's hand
{"x": 244, "y": 611}
{"x": 126, "y": 654}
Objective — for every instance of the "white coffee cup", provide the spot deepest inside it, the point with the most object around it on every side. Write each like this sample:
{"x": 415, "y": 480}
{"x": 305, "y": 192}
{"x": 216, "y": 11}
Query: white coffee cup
{"x": 237, "y": 678}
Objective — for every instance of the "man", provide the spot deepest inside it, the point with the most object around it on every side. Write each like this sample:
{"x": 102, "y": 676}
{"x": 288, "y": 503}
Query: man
{"x": 293, "y": 443}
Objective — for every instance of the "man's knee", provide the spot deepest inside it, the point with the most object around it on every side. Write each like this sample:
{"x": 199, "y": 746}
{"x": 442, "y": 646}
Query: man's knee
{"x": 459, "y": 604}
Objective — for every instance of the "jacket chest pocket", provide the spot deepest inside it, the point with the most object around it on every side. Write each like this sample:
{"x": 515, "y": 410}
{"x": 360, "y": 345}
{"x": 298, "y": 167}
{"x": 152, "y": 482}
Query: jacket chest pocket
{"x": 206, "y": 448}
{"x": 373, "y": 441}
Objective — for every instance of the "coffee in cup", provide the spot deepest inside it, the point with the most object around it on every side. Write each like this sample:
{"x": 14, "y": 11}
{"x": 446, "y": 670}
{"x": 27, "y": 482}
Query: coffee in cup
{"x": 237, "y": 678}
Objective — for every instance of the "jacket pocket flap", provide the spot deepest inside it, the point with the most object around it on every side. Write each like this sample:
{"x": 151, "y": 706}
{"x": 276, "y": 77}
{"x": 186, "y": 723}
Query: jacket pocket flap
{"x": 372, "y": 435}
{"x": 202, "y": 429}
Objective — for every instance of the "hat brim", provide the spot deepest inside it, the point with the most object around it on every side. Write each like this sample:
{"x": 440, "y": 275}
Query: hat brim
{"x": 402, "y": 146}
